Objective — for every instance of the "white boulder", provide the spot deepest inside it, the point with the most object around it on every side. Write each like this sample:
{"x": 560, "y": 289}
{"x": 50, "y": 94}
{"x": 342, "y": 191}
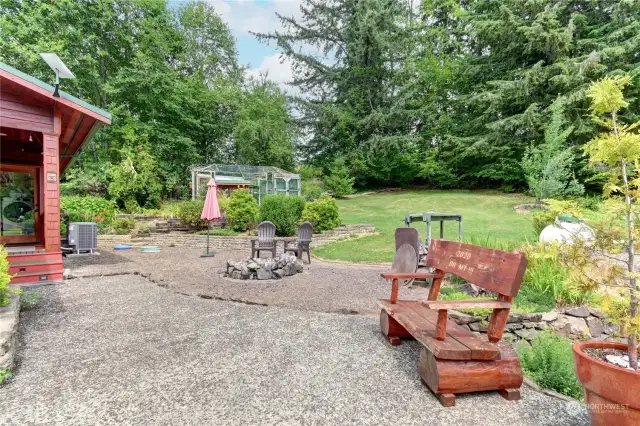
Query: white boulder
{"x": 566, "y": 232}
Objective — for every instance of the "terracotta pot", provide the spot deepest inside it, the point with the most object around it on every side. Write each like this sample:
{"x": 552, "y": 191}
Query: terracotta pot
{"x": 612, "y": 393}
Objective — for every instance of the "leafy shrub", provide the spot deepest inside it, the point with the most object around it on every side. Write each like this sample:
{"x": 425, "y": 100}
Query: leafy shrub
{"x": 88, "y": 209}
{"x": 218, "y": 231}
{"x": 284, "y": 211}
{"x": 323, "y": 213}
{"x": 131, "y": 206}
{"x": 338, "y": 180}
{"x": 544, "y": 218}
{"x": 242, "y": 210}
{"x": 549, "y": 362}
{"x": 189, "y": 212}
{"x": 4, "y": 278}
{"x": 123, "y": 226}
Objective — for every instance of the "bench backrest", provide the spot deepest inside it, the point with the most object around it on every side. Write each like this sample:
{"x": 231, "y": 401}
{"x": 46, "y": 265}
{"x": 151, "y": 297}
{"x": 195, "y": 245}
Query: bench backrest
{"x": 266, "y": 233}
{"x": 491, "y": 269}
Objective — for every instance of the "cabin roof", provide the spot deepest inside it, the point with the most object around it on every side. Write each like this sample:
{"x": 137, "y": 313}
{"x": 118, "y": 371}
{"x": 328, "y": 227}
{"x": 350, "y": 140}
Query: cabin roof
{"x": 63, "y": 95}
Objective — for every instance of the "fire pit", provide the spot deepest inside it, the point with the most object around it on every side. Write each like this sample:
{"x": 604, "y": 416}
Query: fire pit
{"x": 269, "y": 268}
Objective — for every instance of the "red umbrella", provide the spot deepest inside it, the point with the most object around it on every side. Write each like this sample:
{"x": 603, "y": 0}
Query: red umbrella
{"x": 210, "y": 211}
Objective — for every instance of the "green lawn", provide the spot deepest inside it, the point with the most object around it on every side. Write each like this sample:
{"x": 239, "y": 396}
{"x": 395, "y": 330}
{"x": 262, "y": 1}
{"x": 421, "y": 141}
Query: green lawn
{"x": 486, "y": 217}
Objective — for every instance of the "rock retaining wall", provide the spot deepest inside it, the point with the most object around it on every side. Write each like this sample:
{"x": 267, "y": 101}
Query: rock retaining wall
{"x": 8, "y": 331}
{"x": 241, "y": 242}
{"x": 573, "y": 323}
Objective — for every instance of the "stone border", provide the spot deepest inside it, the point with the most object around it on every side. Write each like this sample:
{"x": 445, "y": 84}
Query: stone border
{"x": 9, "y": 316}
{"x": 574, "y": 323}
{"x": 239, "y": 242}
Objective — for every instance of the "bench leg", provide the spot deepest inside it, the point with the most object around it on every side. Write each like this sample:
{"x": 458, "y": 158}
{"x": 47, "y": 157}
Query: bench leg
{"x": 445, "y": 377}
{"x": 391, "y": 329}
{"x": 510, "y": 394}
{"x": 447, "y": 399}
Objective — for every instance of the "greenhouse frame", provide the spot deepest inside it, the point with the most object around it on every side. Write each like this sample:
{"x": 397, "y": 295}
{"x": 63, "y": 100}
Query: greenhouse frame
{"x": 258, "y": 180}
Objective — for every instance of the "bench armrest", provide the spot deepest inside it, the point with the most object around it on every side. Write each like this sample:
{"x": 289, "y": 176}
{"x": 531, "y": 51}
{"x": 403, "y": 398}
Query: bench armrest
{"x": 408, "y": 275}
{"x": 437, "y": 305}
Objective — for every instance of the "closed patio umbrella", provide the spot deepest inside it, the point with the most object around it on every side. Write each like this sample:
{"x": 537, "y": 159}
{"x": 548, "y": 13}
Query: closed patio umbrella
{"x": 210, "y": 211}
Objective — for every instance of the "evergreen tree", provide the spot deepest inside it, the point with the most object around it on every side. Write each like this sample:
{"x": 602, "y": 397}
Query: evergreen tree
{"x": 338, "y": 181}
{"x": 548, "y": 167}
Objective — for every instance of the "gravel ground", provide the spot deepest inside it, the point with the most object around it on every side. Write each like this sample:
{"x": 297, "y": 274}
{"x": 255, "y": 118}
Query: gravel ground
{"x": 322, "y": 287}
{"x": 120, "y": 349}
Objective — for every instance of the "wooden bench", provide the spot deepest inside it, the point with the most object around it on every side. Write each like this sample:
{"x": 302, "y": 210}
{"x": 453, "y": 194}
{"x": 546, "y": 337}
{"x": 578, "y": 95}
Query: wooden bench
{"x": 453, "y": 359}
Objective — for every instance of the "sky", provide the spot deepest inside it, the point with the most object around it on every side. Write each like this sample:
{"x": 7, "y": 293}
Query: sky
{"x": 259, "y": 16}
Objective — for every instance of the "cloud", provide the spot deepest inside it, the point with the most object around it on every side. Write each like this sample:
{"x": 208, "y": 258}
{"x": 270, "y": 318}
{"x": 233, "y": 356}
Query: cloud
{"x": 243, "y": 16}
{"x": 278, "y": 70}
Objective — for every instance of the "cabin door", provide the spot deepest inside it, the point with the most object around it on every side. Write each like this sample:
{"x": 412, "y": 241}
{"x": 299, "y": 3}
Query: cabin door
{"x": 18, "y": 205}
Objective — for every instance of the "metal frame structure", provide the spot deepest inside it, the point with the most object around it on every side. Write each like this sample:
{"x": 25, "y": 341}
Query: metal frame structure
{"x": 260, "y": 180}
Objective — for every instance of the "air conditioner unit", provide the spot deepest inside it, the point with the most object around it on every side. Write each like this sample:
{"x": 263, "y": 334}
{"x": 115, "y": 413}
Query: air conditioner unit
{"x": 82, "y": 236}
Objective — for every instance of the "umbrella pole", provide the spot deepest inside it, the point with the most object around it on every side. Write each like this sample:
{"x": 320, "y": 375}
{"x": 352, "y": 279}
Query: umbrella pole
{"x": 208, "y": 254}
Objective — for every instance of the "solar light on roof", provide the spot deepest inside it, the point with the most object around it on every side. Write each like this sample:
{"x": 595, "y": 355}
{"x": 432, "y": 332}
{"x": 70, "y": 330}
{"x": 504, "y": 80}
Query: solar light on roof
{"x": 58, "y": 67}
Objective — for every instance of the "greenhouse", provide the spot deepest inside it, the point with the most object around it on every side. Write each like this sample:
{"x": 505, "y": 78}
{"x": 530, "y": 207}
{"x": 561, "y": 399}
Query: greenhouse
{"x": 258, "y": 180}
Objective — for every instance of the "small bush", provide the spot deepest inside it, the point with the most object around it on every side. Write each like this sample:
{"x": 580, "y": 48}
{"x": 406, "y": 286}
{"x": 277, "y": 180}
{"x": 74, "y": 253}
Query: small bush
{"x": 242, "y": 210}
{"x": 312, "y": 187}
{"x": 4, "y": 375}
{"x": 29, "y": 300}
{"x": 549, "y": 362}
{"x": 4, "y": 278}
{"x": 322, "y": 213}
{"x": 88, "y": 209}
{"x": 189, "y": 212}
{"x": 123, "y": 226}
{"x": 284, "y": 211}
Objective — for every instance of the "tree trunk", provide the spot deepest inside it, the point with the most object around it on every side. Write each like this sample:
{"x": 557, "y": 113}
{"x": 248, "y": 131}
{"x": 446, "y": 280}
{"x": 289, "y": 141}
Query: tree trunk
{"x": 633, "y": 300}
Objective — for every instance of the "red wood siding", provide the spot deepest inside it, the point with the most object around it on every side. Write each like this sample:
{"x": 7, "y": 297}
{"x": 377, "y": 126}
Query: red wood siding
{"x": 19, "y": 113}
{"x": 51, "y": 201}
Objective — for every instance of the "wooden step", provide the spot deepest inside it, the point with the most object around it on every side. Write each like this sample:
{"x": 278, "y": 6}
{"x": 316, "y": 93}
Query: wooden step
{"x": 36, "y": 267}
{"x": 37, "y": 278}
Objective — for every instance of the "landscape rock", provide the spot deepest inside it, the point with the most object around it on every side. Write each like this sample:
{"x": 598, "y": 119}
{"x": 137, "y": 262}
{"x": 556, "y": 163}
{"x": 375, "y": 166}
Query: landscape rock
{"x": 479, "y": 326}
{"x": 527, "y": 333}
{"x": 550, "y": 316}
{"x": 268, "y": 268}
{"x": 529, "y": 324}
{"x": 519, "y": 317}
{"x": 462, "y": 318}
{"x": 597, "y": 313}
{"x": 572, "y": 327}
{"x": 578, "y": 311}
{"x": 264, "y": 274}
{"x": 595, "y": 326}
{"x": 513, "y": 326}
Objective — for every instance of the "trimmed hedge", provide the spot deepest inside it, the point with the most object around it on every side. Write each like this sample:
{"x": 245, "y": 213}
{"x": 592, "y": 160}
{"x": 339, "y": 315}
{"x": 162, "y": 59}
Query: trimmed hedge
{"x": 323, "y": 213}
{"x": 284, "y": 211}
{"x": 242, "y": 210}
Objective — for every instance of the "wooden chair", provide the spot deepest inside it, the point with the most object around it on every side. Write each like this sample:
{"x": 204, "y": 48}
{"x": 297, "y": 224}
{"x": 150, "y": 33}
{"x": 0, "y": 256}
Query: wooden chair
{"x": 305, "y": 231}
{"x": 266, "y": 239}
{"x": 453, "y": 359}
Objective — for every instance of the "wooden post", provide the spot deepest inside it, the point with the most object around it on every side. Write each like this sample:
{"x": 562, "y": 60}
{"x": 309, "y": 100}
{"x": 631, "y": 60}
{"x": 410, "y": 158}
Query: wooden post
{"x": 51, "y": 183}
{"x": 394, "y": 291}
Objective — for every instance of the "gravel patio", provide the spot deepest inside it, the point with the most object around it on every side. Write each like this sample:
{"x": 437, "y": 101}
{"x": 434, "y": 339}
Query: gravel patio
{"x": 121, "y": 349}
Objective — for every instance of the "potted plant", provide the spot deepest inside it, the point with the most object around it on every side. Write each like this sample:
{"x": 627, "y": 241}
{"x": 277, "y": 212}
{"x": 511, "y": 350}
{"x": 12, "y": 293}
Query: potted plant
{"x": 608, "y": 371}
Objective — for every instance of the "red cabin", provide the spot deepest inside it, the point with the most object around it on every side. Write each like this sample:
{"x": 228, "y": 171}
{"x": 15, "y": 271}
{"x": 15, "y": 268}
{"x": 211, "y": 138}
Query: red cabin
{"x": 39, "y": 136}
